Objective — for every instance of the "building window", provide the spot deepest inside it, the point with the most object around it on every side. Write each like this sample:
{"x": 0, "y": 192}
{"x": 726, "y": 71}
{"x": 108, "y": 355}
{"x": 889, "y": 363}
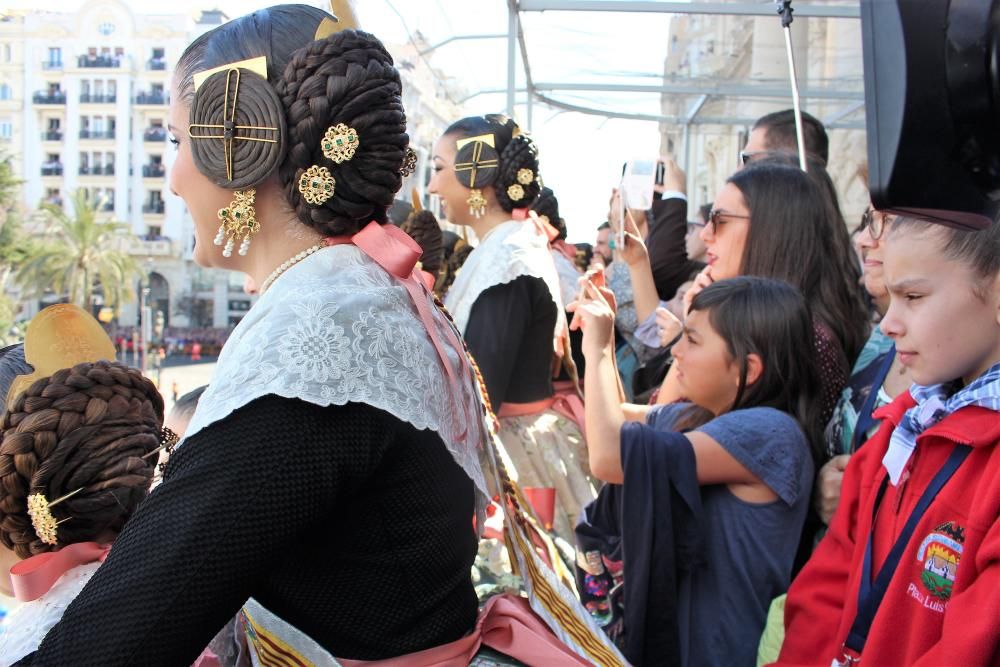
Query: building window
{"x": 106, "y": 28}
{"x": 4, "y": 91}
{"x": 6, "y": 128}
{"x": 55, "y": 56}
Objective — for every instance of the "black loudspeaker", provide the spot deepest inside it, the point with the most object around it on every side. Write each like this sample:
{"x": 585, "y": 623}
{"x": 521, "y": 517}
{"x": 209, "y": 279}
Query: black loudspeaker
{"x": 932, "y": 108}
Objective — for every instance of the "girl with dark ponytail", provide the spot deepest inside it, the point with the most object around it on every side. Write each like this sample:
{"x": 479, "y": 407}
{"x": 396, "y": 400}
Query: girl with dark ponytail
{"x": 508, "y": 304}
{"x": 333, "y": 460}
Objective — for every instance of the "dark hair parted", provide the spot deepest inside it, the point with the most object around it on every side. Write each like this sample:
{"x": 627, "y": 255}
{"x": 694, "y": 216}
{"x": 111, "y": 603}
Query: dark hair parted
{"x": 423, "y": 228}
{"x": 979, "y": 250}
{"x": 346, "y": 78}
{"x": 516, "y": 153}
{"x": 779, "y": 128}
{"x": 548, "y": 205}
{"x": 771, "y": 319}
{"x": 86, "y": 427}
{"x": 791, "y": 238}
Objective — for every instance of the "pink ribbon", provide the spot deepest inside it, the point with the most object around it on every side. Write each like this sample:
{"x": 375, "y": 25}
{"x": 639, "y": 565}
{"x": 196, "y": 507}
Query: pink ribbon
{"x": 506, "y": 624}
{"x": 34, "y": 577}
{"x": 397, "y": 253}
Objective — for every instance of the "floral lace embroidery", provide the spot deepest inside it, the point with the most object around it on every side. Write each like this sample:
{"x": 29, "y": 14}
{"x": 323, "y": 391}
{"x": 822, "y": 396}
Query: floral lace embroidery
{"x": 508, "y": 251}
{"x": 337, "y": 329}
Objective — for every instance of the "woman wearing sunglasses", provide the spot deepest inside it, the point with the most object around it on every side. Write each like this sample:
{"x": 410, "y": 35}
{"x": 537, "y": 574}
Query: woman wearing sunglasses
{"x": 769, "y": 221}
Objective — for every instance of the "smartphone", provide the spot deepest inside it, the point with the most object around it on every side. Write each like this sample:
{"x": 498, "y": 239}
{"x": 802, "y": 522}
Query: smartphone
{"x": 660, "y": 172}
{"x": 637, "y": 183}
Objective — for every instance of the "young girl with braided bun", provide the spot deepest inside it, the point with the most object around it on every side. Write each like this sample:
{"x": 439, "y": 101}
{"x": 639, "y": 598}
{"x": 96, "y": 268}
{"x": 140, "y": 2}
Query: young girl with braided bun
{"x": 507, "y": 303}
{"x": 77, "y": 455}
{"x": 325, "y": 490}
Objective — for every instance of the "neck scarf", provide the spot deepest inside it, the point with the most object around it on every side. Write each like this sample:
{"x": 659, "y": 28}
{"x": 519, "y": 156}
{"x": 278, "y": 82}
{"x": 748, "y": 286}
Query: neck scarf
{"x": 934, "y": 403}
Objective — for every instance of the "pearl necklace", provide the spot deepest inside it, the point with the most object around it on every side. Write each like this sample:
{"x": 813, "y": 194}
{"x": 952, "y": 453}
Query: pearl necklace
{"x": 287, "y": 264}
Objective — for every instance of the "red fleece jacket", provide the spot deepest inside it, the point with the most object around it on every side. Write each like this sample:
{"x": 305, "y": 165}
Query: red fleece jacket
{"x": 942, "y": 606}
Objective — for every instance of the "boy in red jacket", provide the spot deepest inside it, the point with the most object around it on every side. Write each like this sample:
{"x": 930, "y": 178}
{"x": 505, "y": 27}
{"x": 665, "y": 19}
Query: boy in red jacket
{"x": 909, "y": 572}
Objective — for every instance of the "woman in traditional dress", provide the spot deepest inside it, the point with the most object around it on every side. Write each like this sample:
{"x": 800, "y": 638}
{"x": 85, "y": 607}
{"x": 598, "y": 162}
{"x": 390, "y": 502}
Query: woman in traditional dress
{"x": 506, "y": 302}
{"x": 328, "y": 480}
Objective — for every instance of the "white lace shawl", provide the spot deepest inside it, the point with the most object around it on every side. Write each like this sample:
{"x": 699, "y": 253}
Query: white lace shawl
{"x": 25, "y": 627}
{"x": 335, "y": 329}
{"x": 509, "y": 251}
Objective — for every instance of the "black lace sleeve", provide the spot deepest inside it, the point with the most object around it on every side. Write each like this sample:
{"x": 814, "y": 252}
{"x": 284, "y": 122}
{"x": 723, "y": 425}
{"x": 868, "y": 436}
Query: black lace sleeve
{"x": 237, "y": 495}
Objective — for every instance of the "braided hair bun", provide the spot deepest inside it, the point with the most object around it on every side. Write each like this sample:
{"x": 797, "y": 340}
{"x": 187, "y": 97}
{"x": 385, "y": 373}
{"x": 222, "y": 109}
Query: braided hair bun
{"x": 547, "y": 205}
{"x": 518, "y": 181}
{"x": 85, "y": 428}
{"x": 423, "y": 228}
{"x": 347, "y": 78}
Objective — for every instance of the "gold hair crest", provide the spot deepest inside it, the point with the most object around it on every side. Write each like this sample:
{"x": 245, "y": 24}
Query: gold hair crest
{"x": 340, "y": 142}
{"x": 60, "y": 336}
{"x": 317, "y": 185}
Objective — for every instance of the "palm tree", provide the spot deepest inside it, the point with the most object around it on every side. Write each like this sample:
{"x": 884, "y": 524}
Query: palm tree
{"x": 79, "y": 253}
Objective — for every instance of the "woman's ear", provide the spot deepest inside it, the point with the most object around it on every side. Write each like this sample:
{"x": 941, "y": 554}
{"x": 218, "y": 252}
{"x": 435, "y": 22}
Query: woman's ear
{"x": 755, "y": 368}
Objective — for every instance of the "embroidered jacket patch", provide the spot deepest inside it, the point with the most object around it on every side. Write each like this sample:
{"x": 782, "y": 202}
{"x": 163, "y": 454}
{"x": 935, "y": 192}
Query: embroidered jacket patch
{"x": 940, "y": 554}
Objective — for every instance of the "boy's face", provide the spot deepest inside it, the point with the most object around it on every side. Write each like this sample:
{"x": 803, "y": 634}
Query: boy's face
{"x": 942, "y": 328}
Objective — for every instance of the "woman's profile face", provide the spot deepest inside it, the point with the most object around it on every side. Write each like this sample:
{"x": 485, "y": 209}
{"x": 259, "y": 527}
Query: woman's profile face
{"x": 202, "y": 197}
{"x": 726, "y": 240}
{"x": 445, "y": 184}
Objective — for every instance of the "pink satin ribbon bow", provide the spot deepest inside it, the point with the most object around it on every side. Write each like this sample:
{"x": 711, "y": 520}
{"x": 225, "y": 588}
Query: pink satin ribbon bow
{"x": 34, "y": 577}
{"x": 394, "y": 250}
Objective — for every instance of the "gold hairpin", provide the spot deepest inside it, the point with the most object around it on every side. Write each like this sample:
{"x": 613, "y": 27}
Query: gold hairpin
{"x": 40, "y": 511}
{"x": 229, "y": 127}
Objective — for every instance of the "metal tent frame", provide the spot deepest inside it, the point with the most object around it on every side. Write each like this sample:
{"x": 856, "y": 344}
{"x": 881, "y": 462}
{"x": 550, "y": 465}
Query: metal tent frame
{"x": 702, "y": 92}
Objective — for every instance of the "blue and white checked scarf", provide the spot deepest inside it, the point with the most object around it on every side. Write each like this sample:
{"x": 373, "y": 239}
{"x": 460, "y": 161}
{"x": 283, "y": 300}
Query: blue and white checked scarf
{"x": 934, "y": 403}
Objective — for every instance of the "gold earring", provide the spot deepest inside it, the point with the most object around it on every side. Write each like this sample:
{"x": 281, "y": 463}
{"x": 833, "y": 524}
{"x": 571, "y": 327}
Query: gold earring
{"x": 477, "y": 203}
{"x": 317, "y": 185}
{"x": 239, "y": 221}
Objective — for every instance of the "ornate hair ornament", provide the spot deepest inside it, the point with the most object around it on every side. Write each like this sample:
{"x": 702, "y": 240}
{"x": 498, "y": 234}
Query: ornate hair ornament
{"x": 168, "y": 440}
{"x": 229, "y": 127}
{"x": 515, "y": 192}
{"x": 409, "y": 162}
{"x": 340, "y": 143}
{"x": 525, "y": 176}
{"x": 60, "y": 336}
{"x": 326, "y": 27}
{"x": 477, "y": 163}
{"x": 235, "y": 105}
{"x": 40, "y": 511}
{"x": 317, "y": 185}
